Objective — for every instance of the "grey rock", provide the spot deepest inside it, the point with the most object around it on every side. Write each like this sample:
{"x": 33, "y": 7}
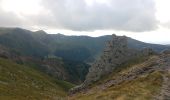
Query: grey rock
{"x": 116, "y": 53}
{"x": 166, "y": 51}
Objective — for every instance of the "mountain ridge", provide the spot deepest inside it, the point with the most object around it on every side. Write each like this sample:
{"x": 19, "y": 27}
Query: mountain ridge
{"x": 107, "y": 67}
{"x": 77, "y": 52}
{"x": 143, "y": 78}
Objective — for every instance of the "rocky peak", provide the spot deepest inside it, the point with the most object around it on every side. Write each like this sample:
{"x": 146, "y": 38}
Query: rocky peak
{"x": 116, "y": 53}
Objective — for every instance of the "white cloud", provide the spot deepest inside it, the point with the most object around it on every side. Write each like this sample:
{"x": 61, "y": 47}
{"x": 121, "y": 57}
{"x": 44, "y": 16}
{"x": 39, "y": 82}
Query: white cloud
{"x": 134, "y": 18}
{"x": 9, "y": 19}
{"x": 20, "y": 7}
{"x": 83, "y": 15}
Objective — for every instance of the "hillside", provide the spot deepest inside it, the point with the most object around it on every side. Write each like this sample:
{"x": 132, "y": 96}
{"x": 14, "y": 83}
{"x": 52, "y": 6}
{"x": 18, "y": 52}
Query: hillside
{"x": 116, "y": 53}
{"x": 21, "y": 41}
{"x": 85, "y": 48}
{"x": 71, "y": 71}
{"x": 18, "y": 82}
{"x": 33, "y": 66}
{"x": 76, "y": 53}
{"x": 75, "y": 48}
{"x": 148, "y": 80}
{"x": 124, "y": 73}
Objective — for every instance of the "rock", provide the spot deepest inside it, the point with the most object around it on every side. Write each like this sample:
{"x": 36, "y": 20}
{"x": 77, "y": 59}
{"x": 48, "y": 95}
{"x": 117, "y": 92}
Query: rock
{"x": 76, "y": 89}
{"x": 116, "y": 53}
{"x": 167, "y": 51}
{"x": 147, "y": 51}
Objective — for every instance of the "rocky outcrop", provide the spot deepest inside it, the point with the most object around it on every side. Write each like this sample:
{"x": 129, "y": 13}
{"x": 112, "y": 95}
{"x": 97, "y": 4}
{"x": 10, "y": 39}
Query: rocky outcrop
{"x": 167, "y": 51}
{"x": 137, "y": 71}
{"x": 134, "y": 81}
{"x": 115, "y": 54}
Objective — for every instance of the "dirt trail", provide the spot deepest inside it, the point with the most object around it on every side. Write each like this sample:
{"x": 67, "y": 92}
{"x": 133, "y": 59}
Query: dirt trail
{"x": 165, "y": 89}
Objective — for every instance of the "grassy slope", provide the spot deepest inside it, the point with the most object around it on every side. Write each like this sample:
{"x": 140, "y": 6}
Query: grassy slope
{"x": 19, "y": 82}
{"x": 144, "y": 87}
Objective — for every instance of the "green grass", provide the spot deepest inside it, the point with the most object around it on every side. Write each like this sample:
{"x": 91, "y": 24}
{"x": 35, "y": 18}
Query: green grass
{"x": 18, "y": 82}
{"x": 144, "y": 87}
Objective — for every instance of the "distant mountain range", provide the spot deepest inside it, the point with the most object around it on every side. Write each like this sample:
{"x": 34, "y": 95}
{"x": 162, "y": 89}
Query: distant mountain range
{"x": 76, "y": 48}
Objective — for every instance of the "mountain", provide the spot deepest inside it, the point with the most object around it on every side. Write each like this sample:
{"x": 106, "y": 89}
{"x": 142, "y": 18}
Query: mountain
{"x": 116, "y": 53}
{"x": 71, "y": 71}
{"x": 125, "y": 73}
{"x": 146, "y": 79}
{"x": 75, "y": 48}
{"x": 21, "y": 41}
{"x": 140, "y": 45}
{"x": 19, "y": 82}
{"x": 55, "y": 67}
{"x": 86, "y": 48}
{"x": 75, "y": 53}
{"x": 36, "y": 65}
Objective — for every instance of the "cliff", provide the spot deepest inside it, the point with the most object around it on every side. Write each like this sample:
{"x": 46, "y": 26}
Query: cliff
{"x": 115, "y": 54}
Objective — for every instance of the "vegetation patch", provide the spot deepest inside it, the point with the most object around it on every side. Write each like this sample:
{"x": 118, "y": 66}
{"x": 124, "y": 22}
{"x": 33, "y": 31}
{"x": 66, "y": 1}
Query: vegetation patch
{"x": 18, "y": 82}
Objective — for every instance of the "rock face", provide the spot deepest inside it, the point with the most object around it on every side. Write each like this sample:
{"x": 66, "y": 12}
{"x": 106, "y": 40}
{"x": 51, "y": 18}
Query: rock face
{"x": 115, "y": 54}
{"x": 167, "y": 51}
{"x": 133, "y": 82}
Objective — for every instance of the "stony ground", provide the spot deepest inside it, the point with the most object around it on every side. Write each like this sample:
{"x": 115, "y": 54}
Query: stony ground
{"x": 165, "y": 90}
{"x": 118, "y": 86}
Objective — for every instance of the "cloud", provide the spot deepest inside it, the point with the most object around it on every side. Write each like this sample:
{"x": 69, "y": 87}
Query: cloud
{"x": 165, "y": 24}
{"x": 9, "y": 19}
{"x": 134, "y": 15}
{"x": 88, "y": 15}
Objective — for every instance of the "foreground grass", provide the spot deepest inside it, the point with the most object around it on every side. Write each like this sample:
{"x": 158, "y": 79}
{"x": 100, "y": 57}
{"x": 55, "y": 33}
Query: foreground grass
{"x": 19, "y": 82}
{"x": 144, "y": 87}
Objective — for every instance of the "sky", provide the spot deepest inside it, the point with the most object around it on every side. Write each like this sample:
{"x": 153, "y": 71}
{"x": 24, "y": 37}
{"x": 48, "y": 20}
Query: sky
{"x": 144, "y": 20}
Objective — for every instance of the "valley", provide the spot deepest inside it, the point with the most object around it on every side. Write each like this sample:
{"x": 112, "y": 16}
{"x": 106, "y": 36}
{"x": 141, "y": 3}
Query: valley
{"x": 84, "y": 50}
{"x": 41, "y": 66}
